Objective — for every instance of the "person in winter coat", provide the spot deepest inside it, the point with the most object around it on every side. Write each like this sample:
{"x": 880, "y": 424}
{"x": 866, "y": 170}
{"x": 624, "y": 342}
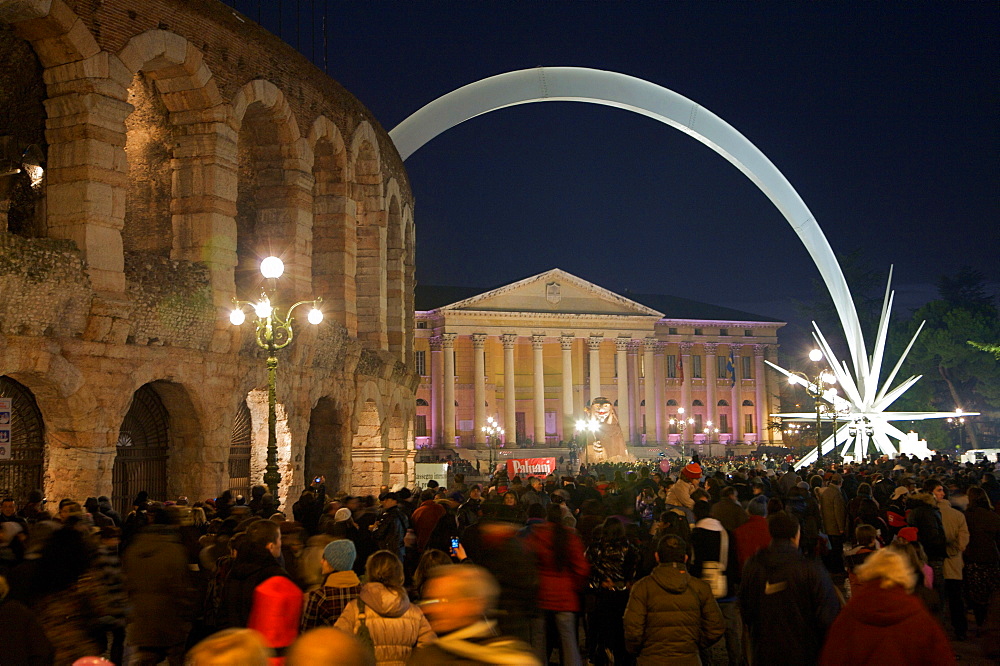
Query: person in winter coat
{"x": 21, "y": 635}
{"x": 982, "y": 556}
{"x": 728, "y": 510}
{"x": 805, "y": 509}
{"x": 160, "y": 592}
{"x": 956, "y": 534}
{"x": 787, "y": 601}
{"x": 833, "y": 507}
{"x": 341, "y": 585}
{"x": 562, "y": 571}
{"x": 389, "y": 529}
{"x": 396, "y": 626}
{"x": 883, "y": 623}
{"x": 671, "y": 615}
{"x": 256, "y": 561}
{"x": 923, "y": 513}
{"x": 712, "y": 543}
{"x": 614, "y": 561}
{"x": 457, "y": 601}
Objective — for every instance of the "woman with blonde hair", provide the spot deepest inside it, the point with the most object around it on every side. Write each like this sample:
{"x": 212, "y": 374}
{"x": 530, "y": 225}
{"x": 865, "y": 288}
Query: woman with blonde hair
{"x": 385, "y": 612}
{"x": 884, "y": 623}
{"x": 230, "y": 647}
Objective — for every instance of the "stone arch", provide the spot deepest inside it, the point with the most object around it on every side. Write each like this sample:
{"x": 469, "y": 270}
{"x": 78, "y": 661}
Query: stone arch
{"x": 722, "y": 403}
{"x": 671, "y": 403}
{"x": 335, "y": 241}
{"x": 180, "y": 157}
{"x": 274, "y": 191}
{"x": 581, "y": 84}
{"x": 748, "y": 403}
{"x": 409, "y": 278}
{"x": 58, "y": 35}
{"x": 395, "y": 271}
{"x": 365, "y": 172}
{"x": 328, "y": 450}
{"x": 23, "y": 429}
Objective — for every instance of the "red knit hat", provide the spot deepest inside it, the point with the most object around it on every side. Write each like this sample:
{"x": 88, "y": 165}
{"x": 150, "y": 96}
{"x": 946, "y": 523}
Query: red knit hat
{"x": 692, "y": 471}
{"x": 908, "y": 533}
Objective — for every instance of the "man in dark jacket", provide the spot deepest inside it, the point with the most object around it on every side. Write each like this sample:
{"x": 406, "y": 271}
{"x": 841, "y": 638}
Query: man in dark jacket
{"x": 671, "y": 615}
{"x": 728, "y": 510}
{"x": 256, "y": 561}
{"x": 390, "y": 528}
{"x": 924, "y": 514}
{"x": 787, "y": 601}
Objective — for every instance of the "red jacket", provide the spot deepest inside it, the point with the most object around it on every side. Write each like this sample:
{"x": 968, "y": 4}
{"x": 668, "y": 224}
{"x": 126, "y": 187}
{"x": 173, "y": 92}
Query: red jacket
{"x": 425, "y": 519}
{"x": 558, "y": 589}
{"x": 750, "y": 537}
{"x": 885, "y": 626}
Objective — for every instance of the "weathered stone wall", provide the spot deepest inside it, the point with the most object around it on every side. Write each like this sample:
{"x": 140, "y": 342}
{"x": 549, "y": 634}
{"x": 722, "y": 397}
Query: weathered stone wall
{"x": 182, "y": 145}
{"x": 44, "y": 290}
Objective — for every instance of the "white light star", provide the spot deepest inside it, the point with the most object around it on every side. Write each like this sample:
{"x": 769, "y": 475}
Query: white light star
{"x": 861, "y": 403}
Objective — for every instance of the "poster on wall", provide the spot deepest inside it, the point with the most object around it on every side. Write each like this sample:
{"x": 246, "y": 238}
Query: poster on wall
{"x": 530, "y": 467}
{"x": 432, "y": 472}
{"x": 5, "y": 418}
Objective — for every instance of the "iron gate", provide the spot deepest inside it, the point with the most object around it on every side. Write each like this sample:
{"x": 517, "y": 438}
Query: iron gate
{"x": 23, "y": 472}
{"x": 239, "y": 453}
{"x": 141, "y": 456}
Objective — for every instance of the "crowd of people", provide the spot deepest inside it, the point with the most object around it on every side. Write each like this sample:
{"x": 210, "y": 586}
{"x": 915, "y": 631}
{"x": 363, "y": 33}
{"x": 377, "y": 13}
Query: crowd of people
{"x": 709, "y": 562}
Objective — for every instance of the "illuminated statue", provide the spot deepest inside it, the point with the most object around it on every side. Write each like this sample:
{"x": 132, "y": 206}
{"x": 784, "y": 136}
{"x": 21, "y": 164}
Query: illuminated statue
{"x": 609, "y": 443}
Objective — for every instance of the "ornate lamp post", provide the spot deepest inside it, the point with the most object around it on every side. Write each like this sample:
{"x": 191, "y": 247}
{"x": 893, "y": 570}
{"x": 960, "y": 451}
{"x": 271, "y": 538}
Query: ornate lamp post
{"x": 681, "y": 423}
{"x": 274, "y": 332}
{"x": 958, "y": 422}
{"x": 709, "y": 432}
{"x": 820, "y": 388}
{"x": 590, "y": 425}
{"x": 493, "y": 433}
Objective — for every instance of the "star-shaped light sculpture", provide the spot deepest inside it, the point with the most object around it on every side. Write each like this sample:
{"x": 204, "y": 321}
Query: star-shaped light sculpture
{"x": 861, "y": 403}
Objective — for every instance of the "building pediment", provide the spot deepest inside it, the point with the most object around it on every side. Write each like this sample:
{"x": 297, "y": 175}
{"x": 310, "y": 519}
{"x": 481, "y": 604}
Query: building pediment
{"x": 553, "y": 292}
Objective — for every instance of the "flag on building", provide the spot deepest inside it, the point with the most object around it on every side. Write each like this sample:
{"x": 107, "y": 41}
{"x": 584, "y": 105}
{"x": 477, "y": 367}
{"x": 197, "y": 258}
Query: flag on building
{"x": 731, "y": 367}
{"x": 680, "y": 367}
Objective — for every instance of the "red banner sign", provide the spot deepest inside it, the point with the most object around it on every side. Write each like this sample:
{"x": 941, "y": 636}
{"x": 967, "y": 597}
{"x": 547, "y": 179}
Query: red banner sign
{"x": 530, "y": 467}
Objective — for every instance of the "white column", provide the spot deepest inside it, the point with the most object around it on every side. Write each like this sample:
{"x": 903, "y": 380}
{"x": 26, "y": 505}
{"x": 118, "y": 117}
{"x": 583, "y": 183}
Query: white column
{"x": 509, "y": 392}
{"x": 737, "y": 395}
{"x": 634, "y": 395}
{"x": 661, "y": 404}
{"x": 685, "y": 349}
{"x": 437, "y": 385}
{"x": 566, "y": 344}
{"x": 594, "y": 343}
{"x": 649, "y": 389}
{"x": 479, "y": 368}
{"x": 708, "y": 369}
{"x": 448, "y": 348}
{"x": 539, "y": 388}
{"x": 760, "y": 393}
{"x": 621, "y": 348}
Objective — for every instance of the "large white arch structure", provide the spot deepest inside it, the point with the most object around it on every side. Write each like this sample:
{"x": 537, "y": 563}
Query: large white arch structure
{"x": 579, "y": 84}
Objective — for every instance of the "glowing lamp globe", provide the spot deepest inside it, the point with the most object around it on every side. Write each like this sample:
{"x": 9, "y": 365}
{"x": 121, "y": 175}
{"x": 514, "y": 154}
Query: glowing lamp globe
{"x": 272, "y": 268}
{"x": 815, "y": 355}
{"x": 315, "y": 316}
{"x": 263, "y": 309}
{"x": 237, "y": 317}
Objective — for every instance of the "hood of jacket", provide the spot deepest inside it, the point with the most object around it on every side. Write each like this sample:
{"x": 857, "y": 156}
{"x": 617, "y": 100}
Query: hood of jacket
{"x": 916, "y": 499}
{"x": 878, "y": 607}
{"x": 672, "y": 577}
{"x": 385, "y": 601}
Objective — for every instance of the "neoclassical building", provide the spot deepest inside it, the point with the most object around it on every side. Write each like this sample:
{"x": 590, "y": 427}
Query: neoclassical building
{"x": 532, "y": 354}
{"x": 151, "y": 154}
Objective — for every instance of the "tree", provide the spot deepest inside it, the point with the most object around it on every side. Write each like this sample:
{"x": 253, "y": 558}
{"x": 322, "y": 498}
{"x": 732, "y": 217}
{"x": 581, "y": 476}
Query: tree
{"x": 955, "y": 374}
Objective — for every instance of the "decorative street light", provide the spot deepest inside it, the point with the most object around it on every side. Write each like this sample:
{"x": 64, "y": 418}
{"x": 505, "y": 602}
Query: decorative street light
{"x": 958, "y": 422}
{"x": 820, "y": 388}
{"x": 274, "y": 332}
{"x": 590, "y": 425}
{"x": 681, "y": 423}
{"x": 493, "y": 433}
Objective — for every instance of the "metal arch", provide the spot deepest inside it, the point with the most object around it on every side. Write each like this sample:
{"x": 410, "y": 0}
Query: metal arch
{"x": 580, "y": 84}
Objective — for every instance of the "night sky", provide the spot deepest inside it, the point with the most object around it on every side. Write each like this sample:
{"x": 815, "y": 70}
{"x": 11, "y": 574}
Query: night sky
{"x": 882, "y": 116}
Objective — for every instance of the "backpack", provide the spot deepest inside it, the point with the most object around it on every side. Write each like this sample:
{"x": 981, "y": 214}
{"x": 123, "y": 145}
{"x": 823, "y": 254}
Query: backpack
{"x": 363, "y": 635}
{"x": 714, "y": 573}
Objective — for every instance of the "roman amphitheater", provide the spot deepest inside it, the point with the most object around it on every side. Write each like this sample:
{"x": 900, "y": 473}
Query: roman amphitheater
{"x": 152, "y": 154}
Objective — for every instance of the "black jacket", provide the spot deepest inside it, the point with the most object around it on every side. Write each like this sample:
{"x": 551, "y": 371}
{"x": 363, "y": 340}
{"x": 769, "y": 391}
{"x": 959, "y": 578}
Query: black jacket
{"x": 923, "y": 514}
{"x": 788, "y": 603}
{"x": 391, "y": 528}
{"x": 249, "y": 571}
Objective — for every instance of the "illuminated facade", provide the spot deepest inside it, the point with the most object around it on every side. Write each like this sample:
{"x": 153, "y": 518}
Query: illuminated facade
{"x": 533, "y": 353}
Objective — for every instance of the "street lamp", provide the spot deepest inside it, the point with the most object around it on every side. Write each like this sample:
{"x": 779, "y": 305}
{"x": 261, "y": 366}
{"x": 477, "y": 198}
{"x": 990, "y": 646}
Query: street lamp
{"x": 820, "y": 388}
{"x": 274, "y": 332}
{"x": 493, "y": 432}
{"x": 681, "y": 423}
{"x": 590, "y": 425}
{"x": 709, "y": 431}
{"x": 958, "y": 422}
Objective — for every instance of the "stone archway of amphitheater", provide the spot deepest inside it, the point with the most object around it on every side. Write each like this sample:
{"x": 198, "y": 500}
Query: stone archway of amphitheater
{"x": 580, "y": 84}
